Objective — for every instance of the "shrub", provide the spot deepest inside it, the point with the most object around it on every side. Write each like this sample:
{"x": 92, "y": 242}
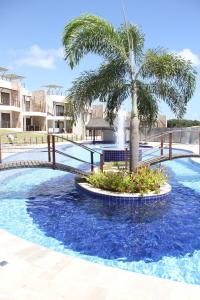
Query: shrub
{"x": 143, "y": 181}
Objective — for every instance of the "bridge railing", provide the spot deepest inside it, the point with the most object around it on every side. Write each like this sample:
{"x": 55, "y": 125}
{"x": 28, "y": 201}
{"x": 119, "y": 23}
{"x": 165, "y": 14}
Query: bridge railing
{"x": 165, "y": 143}
{"x": 51, "y": 141}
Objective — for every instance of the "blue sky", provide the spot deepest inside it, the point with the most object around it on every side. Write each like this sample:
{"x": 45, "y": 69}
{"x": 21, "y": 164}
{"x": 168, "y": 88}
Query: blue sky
{"x": 31, "y": 36}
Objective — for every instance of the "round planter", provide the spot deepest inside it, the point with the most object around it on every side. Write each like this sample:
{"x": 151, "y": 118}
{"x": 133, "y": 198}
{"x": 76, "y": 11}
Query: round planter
{"x": 103, "y": 194}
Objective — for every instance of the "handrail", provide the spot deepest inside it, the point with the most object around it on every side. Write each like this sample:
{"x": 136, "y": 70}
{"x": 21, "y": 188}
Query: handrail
{"x": 170, "y": 141}
{"x": 78, "y": 144}
{"x": 149, "y": 149}
{"x": 162, "y": 134}
{"x": 52, "y": 151}
{"x": 155, "y": 150}
{"x": 73, "y": 157}
{"x": 163, "y": 158}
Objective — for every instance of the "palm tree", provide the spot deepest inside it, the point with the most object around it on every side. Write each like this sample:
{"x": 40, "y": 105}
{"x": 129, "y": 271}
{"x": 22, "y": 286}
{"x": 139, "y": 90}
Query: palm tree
{"x": 126, "y": 72}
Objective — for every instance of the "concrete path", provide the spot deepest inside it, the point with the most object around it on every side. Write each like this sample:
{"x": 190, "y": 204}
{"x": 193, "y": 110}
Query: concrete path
{"x": 33, "y": 272}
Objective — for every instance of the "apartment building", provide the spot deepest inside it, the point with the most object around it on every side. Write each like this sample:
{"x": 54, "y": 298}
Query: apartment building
{"x": 10, "y": 100}
{"x": 46, "y": 110}
{"x": 58, "y": 117}
{"x": 42, "y": 110}
{"x": 33, "y": 111}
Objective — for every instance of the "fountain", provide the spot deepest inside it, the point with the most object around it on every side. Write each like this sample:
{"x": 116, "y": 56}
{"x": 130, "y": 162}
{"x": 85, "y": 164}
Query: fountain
{"x": 120, "y": 132}
{"x": 118, "y": 153}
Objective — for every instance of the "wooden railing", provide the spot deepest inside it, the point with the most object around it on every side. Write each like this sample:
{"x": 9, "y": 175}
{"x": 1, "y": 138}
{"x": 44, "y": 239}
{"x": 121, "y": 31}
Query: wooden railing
{"x": 165, "y": 145}
{"x": 51, "y": 145}
{"x": 51, "y": 141}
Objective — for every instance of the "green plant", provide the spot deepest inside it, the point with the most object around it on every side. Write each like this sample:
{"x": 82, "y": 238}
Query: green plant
{"x": 127, "y": 71}
{"x": 143, "y": 181}
{"x": 115, "y": 164}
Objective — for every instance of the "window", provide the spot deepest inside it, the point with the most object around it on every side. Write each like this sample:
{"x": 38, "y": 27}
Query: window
{"x": 5, "y": 120}
{"x": 27, "y": 106}
{"x": 59, "y": 110}
{"x": 5, "y": 98}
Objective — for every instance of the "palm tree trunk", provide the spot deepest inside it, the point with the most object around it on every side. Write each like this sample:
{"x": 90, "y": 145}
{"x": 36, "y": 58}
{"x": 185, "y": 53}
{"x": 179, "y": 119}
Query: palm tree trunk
{"x": 134, "y": 132}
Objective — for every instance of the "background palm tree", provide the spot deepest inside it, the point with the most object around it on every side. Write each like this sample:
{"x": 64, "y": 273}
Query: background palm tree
{"x": 126, "y": 71}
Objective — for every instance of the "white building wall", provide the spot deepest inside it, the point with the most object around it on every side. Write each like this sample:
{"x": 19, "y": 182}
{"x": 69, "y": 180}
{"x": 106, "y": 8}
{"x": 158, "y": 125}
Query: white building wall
{"x": 9, "y": 109}
{"x": 51, "y": 100}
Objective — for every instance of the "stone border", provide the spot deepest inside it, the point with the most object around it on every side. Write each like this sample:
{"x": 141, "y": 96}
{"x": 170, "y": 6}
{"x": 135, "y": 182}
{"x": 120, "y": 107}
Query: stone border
{"x": 87, "y": 188}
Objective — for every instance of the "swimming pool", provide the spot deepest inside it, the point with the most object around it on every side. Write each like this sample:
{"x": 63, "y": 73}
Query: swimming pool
{"x": 159, "y": 238}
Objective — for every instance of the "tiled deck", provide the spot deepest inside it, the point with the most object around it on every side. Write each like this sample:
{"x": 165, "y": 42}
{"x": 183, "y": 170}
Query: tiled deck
{"x": 35, "y": 272}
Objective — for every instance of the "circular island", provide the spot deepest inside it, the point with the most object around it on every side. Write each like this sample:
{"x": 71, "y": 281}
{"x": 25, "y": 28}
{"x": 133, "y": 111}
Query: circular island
{"x": 87, "y": 188}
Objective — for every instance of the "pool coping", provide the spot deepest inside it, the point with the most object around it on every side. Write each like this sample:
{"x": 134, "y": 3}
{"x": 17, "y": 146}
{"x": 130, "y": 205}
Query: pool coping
{"x": 36, "y": 272}
{"x": 89, "y": 189}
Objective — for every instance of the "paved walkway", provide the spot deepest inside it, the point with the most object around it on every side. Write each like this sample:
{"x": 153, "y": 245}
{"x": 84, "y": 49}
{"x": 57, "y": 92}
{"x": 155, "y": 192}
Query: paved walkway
{"x": 33, "y": 272}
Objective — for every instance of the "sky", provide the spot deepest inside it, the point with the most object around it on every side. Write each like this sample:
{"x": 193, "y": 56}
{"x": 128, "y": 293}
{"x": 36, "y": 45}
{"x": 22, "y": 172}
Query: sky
{"x": 31, "y": 37}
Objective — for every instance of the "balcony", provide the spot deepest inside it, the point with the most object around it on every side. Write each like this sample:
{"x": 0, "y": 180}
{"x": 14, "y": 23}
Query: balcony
{"x": 10, "y": 102}
{"x": 60, "y": 114}
{"x": 9, "y": 98}
{"x": 32, "y": 106}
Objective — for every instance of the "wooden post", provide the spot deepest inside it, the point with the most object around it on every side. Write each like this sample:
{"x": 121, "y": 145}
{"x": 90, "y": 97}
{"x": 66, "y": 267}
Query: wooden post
{"x": 92, "y": 161}
{"x": 0, "y": 151}
{"x": 53, "y": 150}
{"x": 161, "y": 145}
{"x": 126, "y": 158}
{"x": 170, "y": 145}
{"x": 101, "y": 162}
{"x": 49, "y": 147}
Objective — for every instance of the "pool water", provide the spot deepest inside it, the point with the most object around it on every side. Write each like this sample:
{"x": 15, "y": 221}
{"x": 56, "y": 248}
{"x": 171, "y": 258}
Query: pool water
{"x": 159, "y": 238}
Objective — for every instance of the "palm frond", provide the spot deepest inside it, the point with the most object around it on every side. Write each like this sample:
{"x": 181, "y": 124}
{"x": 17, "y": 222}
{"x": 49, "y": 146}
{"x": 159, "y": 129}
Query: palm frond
{"x": 132, "y": 36}
{"x": 171, "y": 95}
{"x": 98, "y": 84}
{"x": 114, "y": 99}
{"x": 170, "y": 67}
{"x": 147, "y": 105}
{"x": 89, "y": 33}
{"x": 171, "y": 78}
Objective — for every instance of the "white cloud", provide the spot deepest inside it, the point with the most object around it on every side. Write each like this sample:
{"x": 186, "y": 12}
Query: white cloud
{"x": 187, "y": 54}
{"x": 38, "y": 57}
